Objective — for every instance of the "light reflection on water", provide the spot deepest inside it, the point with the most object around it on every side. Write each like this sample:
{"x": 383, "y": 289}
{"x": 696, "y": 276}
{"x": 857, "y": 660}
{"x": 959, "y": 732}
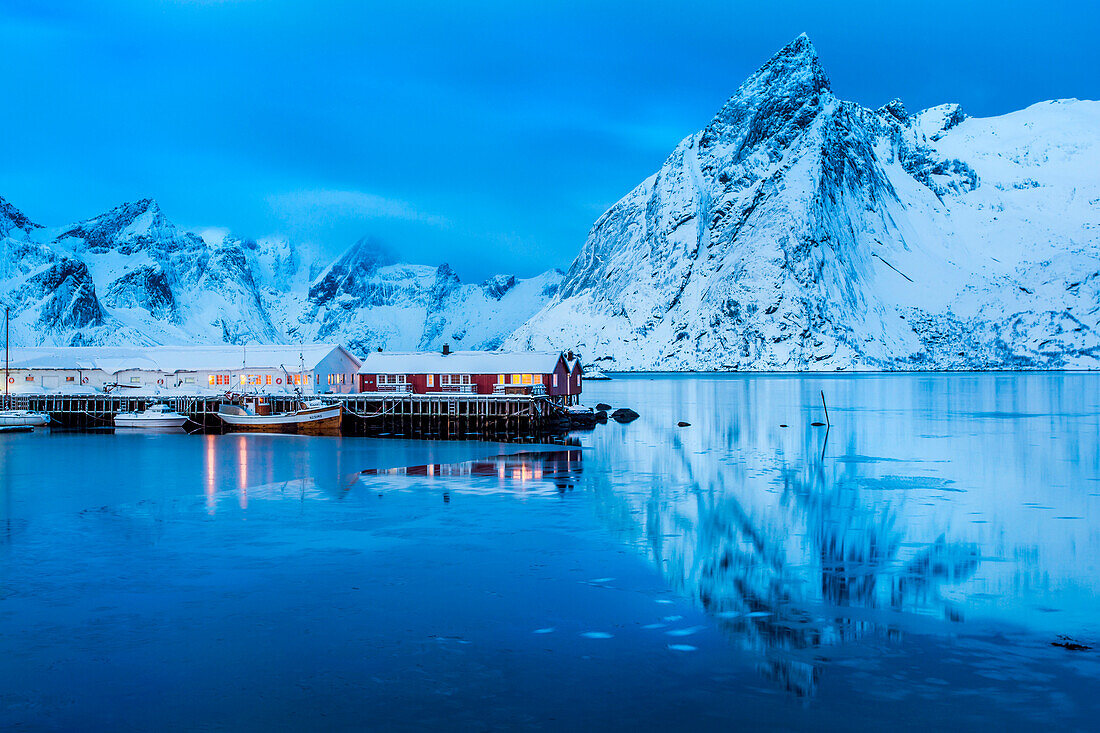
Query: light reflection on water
{"x": 927, "y": 550}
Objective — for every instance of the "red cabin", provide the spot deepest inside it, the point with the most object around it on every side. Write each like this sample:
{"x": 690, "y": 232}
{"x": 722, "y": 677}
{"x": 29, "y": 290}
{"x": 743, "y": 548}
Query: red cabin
{"x": 472, "y": 372}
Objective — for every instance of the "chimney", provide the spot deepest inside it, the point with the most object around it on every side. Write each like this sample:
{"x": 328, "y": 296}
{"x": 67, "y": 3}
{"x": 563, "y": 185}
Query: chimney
{"x": 446, "y": 349}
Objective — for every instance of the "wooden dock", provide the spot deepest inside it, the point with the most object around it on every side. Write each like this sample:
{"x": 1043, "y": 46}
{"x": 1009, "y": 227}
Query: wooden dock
{"x": 443, "y": 416}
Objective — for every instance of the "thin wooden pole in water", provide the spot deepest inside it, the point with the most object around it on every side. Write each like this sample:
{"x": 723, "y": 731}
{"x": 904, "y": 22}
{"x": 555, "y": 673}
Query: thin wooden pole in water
{"x": 827, "y": 423}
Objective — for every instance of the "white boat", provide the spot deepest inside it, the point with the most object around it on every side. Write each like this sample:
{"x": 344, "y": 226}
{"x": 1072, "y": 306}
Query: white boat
{"x": 154, "y": 416}
{"x": 311, "y": 418}
{"x": 23, "y": 418}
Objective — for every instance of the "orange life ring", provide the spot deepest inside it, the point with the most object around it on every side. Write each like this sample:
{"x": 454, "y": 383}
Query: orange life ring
{"x": 83, "y": 380}
{"x": 160, "y": 381}
{"x": 278, "y": 380}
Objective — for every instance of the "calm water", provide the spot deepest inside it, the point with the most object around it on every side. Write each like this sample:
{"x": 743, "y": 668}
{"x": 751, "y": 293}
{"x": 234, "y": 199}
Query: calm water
{"x": 919, "y": 564}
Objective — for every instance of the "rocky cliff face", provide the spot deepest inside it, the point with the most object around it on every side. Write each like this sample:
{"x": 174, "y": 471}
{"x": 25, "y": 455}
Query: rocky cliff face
{"x": 130, "y": 276}
{"x": 800, "y": 231}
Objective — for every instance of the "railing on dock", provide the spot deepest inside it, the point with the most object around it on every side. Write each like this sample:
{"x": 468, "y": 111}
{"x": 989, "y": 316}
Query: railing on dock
{"x": 438, "y": 416}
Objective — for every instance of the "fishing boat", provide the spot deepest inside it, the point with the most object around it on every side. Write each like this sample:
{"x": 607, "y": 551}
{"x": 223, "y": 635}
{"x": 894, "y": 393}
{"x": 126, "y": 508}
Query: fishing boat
{"x": 311, "y": 418}
{"x": 23, "y": 418}
{"x": 154, "y": 416}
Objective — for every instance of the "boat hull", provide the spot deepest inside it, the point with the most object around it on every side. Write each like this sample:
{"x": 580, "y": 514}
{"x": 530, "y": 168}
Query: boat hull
{"x": 316, "y": 421}
{"x": 124, "y": 421}
{"x": 23, "y": 418}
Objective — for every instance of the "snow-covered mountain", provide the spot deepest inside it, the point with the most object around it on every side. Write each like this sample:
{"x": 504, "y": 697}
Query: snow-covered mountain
{"x": 130, "y": 276}
{"x": 800, "y": 231}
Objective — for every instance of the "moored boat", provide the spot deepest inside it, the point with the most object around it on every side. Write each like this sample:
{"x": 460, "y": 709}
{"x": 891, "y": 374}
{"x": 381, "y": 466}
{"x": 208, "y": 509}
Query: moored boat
{"x": 311, "y": 418}
{"x": 23, "y": 418}
{"x": 154, "y": 416}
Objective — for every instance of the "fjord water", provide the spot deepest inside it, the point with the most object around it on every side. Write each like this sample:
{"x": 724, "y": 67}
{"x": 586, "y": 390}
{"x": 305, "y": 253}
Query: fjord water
{"x": 930, "y": 559}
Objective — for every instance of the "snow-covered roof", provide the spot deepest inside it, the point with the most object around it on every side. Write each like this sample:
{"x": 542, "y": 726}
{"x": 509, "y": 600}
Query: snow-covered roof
{"x": 460, "y": 362}
{"x": 169, "y": 359}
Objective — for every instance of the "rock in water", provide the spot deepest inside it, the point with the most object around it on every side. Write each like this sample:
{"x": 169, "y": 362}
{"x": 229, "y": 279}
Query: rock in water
{"x": 683, "y": 424}
{"x": 603, "y": 406}
{"x": 624, "y": 415}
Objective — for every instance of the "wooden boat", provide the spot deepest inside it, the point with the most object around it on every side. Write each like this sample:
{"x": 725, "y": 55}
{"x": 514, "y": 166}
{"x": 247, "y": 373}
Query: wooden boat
{"x": 311, "y": 418}
{"x": 23, "y": 418}
{"x": 154, "y": 416}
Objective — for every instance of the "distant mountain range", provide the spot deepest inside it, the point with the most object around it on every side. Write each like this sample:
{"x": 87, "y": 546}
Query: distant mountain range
{"x": 130, "y": 276}
{"x": 796, "y": 231}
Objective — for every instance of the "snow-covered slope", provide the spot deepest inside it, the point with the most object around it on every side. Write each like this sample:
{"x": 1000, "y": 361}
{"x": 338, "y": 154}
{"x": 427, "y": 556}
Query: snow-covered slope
{"x": 130, "y": 276}
{"x": 800, "y": 231}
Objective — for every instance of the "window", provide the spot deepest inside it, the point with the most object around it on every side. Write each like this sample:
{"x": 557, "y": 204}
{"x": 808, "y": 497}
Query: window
{"x": 538, "y": 379}
{"x": 188, "y": 380}
{"x": 516, "y": 378}
{"x": 29, "y": 378}
{"x": 555, "y": 380}
{"x": 526, "y": 378}
{"x": 431, "y": 380}
{"x": 135, "y": 380}
{"x": 500, "y": 379}
{"x": 267, "y": 379}
{"x": 70, "y": 379}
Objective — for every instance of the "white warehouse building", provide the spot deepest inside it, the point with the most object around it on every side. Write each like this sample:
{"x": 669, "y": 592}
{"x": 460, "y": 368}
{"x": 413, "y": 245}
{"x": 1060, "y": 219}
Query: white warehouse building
{"x": 313, "y": 369}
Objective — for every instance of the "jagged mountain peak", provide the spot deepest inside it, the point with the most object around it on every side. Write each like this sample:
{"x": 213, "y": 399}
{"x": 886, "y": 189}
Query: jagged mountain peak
{"x": 800, "y": 231}
{"x": 12, "y": 218}
{"x": 795, "y": 70}
{"x": 780, "y": 98}
{"x": 130, "y": 227}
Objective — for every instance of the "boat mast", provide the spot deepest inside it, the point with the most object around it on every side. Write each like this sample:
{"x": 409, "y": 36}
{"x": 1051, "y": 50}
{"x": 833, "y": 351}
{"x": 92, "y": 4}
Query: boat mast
{"x": 6, "y": 342}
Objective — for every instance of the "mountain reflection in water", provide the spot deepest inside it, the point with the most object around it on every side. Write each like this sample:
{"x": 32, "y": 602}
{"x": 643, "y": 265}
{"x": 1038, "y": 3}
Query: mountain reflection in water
{"x": 911, "y": 520}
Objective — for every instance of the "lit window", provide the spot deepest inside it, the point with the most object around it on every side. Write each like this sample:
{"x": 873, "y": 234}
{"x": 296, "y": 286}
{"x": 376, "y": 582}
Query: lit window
{"x": 135, "y": 380}
{"x": 516, "y": 378}
{"x": 538, "y": 379}
{"x": 526, "y": 378}
{"x": 500, "y": 379}
{"x": 70, "y": 379}
{"x": 30, "y": 378}
{"x": 267, "y": 379}
{"x": 431, "y": 380}
{"x": 555, "y": 380}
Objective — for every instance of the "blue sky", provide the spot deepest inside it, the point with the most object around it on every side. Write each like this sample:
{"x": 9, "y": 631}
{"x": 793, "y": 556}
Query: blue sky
{"x": 488, "y": 135}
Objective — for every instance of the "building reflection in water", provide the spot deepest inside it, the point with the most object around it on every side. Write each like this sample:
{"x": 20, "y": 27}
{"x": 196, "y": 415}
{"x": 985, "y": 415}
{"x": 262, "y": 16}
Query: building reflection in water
{"x": 516, "y": 472}
{"x": 210, "y": 484}
{"x": 242, "y": 471}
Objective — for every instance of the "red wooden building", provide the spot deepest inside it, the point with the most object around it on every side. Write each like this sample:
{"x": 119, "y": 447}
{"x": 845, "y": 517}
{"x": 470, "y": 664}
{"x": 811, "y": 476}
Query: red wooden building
{"x": 473, "y": 372}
